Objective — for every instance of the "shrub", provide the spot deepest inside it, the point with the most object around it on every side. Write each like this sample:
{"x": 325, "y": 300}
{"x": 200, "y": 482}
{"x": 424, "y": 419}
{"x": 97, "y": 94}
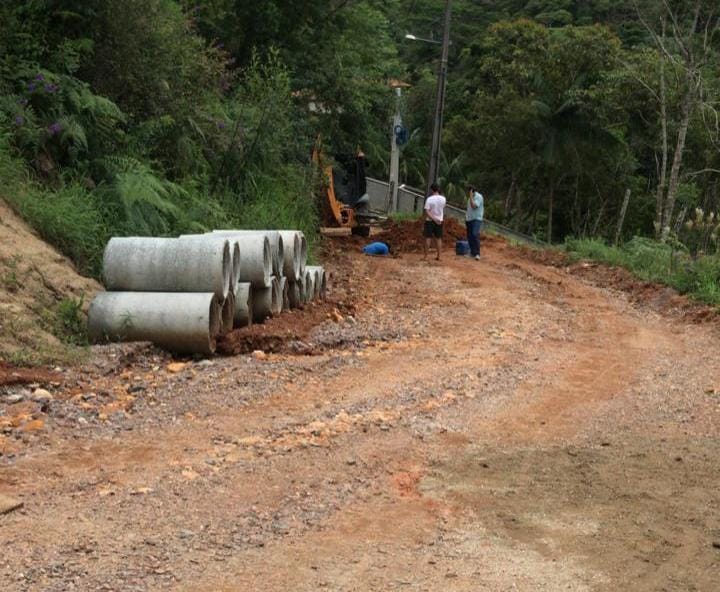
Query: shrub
{"x": 69, "y": 322}
{"x": 651, "y": 260}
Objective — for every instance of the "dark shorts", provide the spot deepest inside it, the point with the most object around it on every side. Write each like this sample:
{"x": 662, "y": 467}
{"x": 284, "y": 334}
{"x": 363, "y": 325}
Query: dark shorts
{"x": 432, "y": 229}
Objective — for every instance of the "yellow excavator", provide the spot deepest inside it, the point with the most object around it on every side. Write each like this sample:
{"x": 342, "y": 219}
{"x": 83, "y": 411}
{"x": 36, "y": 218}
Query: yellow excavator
{"x": 342, "y": 193}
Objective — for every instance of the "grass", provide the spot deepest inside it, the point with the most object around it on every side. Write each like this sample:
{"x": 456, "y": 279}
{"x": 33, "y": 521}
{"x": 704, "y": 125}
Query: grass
{"x": 29, "y": 345}
{"x": 282, "y": 202}
{"x": 69, "y": 322}
{"x": 654, "y": 261}
{"x": 9, "y": 278}
{"x": 403, "y": 216}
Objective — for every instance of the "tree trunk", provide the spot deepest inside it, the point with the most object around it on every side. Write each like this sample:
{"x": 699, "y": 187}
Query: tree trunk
{"x": 662, "y": 176}
{"x": 551, "y": 200}
{"x": 508, "y": 197}
{"x": 680, "y": 219}
{"x": 621, "y": 220}
{"x": 596, "y": 226}
{"x": 686, "y": 112}
{"x": 576, "y": 210}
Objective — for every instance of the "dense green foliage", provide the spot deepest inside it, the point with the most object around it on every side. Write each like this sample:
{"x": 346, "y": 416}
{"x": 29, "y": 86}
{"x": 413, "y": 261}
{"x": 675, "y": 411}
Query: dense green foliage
{"x": 162, "y": 117}
{"x": 167, "y": 116}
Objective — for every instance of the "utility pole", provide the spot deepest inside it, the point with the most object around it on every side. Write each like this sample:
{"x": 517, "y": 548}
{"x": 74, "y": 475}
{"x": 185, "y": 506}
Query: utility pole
{"x": 395, "y": 154}
{"x": 434, "y": 167}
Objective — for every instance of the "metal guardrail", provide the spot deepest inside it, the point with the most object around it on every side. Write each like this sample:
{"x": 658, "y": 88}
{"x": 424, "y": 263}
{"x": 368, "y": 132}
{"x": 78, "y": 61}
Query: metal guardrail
{"x": 411, "y": 200}
{"x": 495, "y": 228}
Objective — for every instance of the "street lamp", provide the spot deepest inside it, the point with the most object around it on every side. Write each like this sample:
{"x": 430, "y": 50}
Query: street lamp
{"x": 434, "y": 164}
{"x": 425, "y": 39}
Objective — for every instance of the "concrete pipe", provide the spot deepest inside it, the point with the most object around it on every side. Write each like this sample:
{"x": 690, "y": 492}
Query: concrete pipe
{"x": 185, "y": 323}
{"x": 243, "y": 305}
{"x": 262, "y": 303}
{"x": 292, "y": 246}
{"x": 309, "y": 285}
{"x": 296, "y": 293}
{"x": 140, "y": 264}
{"x": 227, "y": 314}
{"x": 275, "y": 240}
{"x": 318, "y": 273}
{"x": 256, "y": 256}
{"x": 285, "y": 291}
{"x": 323, "y": 283}
{"x": 303, "y": 254}
{"x": 235, "y": 254}
{"x": 277, "y": 297}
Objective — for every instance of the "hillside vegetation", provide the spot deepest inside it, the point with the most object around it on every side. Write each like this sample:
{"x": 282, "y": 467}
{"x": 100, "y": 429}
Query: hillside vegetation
{"x": 167, "y": 116}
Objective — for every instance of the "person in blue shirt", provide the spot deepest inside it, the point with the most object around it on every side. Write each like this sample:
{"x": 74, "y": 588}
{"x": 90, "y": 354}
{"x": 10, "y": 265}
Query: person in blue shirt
{"x": 474, "y": 219}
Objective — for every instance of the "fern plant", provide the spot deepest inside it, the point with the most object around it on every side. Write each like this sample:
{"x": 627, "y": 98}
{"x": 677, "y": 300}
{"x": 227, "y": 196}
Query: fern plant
{"x": 147, "y": 203}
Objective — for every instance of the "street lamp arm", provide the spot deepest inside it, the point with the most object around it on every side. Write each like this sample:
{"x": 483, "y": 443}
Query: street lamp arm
{"x": 425, "y": 39}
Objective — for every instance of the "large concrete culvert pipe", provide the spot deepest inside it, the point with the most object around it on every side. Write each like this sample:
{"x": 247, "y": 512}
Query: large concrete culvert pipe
{"x": 144, "y": 264}
{"x": 235, "y": 254}
{"x": 296, "y": 293}
{"x": 318, "y": 273}
{"x": 309, "y": 285}
{"x": 285, "y": 291}
{"x": 256, "y": 256}
{"x": 227, "y": 314}
{"x": 323, "y": 283}
{"x": 262, "y": 303}
{"x": 274, "y": 238}
{"x": 185, "y": 323}
{"x": 243, "y": 305}
{"x": 292, "y": 246}
{"x": 303, "y": 254}
{"x": 277, "y": 296}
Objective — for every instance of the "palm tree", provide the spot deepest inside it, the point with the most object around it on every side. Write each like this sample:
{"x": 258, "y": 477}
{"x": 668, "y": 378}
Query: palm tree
{"x": 564, "y": 130}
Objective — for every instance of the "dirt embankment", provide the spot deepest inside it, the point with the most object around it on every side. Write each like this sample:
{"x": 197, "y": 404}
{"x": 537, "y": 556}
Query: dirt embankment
{"x": 654, "y": 295}
{"x": 34, "y": 280}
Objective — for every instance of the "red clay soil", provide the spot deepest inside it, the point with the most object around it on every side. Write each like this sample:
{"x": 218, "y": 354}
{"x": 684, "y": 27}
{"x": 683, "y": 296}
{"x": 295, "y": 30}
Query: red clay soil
{"x": 11, "y": 375}
{"x": 658, "y": 296}
{"x": 291, "y": 328}
{"x": 407, "y": 236}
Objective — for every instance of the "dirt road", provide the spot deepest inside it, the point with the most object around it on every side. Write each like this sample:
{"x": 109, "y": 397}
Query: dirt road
{"x": 498, "y": 426}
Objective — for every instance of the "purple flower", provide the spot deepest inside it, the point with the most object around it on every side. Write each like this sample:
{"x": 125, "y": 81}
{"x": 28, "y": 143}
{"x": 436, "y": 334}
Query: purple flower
{"x": 51, "y": 88}
{"x": 220, "y": 123}
{"x": 31, "y": 86}
{"x": 54, "y": 129}
{"x": 39, "y": 77}
{"x": 19, "y": 120}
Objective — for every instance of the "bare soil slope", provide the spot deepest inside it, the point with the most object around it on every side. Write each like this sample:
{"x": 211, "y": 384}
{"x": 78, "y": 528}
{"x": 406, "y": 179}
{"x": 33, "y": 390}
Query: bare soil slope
{"x": 34, "y": 278}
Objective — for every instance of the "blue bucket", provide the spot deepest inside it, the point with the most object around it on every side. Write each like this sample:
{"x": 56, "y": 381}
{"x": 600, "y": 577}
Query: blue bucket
{"x": 462, "y": 247}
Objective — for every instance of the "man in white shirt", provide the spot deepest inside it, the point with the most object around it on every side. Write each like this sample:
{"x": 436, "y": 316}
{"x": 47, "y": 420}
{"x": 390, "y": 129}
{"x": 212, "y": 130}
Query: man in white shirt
{"x": 434, "y": 214}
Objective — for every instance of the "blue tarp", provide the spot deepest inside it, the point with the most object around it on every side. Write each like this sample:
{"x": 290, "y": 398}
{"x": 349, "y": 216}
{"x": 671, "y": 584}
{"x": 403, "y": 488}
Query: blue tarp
{"x": 376, "y": 249}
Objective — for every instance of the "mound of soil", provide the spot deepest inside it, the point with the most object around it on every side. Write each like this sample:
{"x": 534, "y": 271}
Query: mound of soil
{"x": 406, "y": 236}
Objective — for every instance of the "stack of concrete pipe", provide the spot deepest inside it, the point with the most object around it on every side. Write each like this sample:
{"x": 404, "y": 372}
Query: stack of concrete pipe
{"x": 183, "y": 293}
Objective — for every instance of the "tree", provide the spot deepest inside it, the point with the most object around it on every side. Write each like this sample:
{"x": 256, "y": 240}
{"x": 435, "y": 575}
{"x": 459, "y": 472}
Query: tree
{"x": 537, "y": 112}
{"x": 686, "y": 37}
